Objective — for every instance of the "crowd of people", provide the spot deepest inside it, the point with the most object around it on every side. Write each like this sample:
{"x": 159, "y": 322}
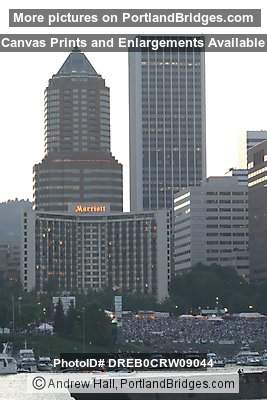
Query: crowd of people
{"x": 172, "y": 330}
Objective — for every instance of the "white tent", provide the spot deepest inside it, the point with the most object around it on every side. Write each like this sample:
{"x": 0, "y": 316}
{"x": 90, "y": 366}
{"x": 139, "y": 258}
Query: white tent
{"x": 251, "y": 315}
{"x": 214, "y": 318}
{"x": 45, "y": 328}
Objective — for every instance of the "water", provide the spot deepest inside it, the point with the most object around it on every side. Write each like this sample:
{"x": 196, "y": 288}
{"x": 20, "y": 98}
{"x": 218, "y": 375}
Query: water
{"x": 13, "y": 387}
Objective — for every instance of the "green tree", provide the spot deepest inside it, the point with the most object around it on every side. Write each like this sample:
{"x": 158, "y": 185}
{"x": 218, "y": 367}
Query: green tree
{"x": 4, "y": 315}
{"x": 71, "y": 320}
{"x": 98, "y": 327}
{"x": 201, "y": 287}
{"x": 60, "y": 320}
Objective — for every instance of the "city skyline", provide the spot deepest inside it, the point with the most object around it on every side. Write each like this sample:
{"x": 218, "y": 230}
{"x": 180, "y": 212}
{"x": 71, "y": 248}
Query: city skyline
{"x": 33, "y": 127}
{"x": 236, "y": 84}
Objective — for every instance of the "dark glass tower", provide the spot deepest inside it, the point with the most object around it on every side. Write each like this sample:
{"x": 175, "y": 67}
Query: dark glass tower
{"x": 167, "y": 125}
{"x": 78, "y": 165}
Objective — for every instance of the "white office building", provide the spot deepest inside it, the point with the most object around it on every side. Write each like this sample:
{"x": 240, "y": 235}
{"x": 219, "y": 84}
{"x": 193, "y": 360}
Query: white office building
{"x": 211, "y": 225}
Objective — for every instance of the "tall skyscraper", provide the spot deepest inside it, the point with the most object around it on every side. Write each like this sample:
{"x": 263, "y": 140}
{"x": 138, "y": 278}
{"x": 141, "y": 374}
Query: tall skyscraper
{"x": 167, "y": 125}
{"x": 78, "y": 165}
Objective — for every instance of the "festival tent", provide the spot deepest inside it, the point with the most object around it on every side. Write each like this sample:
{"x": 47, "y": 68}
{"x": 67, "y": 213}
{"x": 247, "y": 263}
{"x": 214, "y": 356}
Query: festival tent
{"x": 251, "y": 315}
{"x": 45, "y": 328}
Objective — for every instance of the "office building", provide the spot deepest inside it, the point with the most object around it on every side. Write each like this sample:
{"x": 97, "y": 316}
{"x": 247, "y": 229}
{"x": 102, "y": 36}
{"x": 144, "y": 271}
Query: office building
{"x": 211, "y": 225}
{"x": 240, "y": 173}
{"x": 9, "y": 261}
{"x": 89, "y": 247}
{"x": 10, "y": 217}
{"x": 257, "y": 201}
{"x": 78, "y": 165}
{"x": 255, "y": 137}
{"x": 167, "y": 125}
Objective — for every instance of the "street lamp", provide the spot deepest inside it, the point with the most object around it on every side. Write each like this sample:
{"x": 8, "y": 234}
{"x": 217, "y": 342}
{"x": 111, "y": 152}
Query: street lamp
{"x": 19, "y": 305}
{"x": 13, "y": 311}
{"x": 13, "y": 315}
{"x": 217, "y": 305}
{"x": 44, "y": 313}
{"x": 83, "y": 329}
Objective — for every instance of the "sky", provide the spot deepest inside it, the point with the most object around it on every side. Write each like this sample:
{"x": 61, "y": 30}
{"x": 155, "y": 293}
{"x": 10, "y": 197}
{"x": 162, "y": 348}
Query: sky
{"x": 236, "y": 92}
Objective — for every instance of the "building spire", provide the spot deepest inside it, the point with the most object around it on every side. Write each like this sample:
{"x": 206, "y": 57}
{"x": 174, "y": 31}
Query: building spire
{"x": 76, "y": 49}
{"x": 77, "y": 64}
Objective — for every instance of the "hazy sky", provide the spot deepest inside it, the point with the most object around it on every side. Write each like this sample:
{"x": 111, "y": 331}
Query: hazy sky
{"x": 236, "y": 92}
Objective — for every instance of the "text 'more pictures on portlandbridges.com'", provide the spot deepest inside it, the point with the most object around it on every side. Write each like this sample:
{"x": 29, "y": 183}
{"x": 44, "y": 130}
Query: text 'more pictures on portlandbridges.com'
{"x": 133, "y": 200}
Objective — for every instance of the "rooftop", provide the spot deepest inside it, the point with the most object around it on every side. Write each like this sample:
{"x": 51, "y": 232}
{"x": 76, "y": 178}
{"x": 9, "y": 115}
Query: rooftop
{"x": 77, "y": 64}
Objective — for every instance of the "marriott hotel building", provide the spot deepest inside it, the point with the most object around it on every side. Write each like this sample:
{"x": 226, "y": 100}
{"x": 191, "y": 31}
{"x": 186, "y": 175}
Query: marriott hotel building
{"x": 78, "y": 165}
{"x": 77, "y": 237}
{"x": 90, "y": 247}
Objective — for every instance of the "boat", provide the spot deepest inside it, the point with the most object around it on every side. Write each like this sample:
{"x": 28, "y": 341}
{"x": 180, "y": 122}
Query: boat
{"x": 264, "y": 359}
{"x": 248, "y": 358}
{"x": 8, "y": 364}
{"x": 216, "y": 361}
{"x": 230, "y": 361}
{"x": 26, "y": 360}
{"x": 44, "y": 364}
{"x": 253, "y": 362}
{"x": 28, "y": 363}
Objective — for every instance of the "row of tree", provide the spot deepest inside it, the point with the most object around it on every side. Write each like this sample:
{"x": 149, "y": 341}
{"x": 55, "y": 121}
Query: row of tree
{"x": 203, "y": 287}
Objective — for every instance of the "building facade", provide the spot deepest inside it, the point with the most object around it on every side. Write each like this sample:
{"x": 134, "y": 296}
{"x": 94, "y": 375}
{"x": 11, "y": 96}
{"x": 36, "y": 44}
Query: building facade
{"x": 167, "y": 125}
{"x": 240, "y": 173}
{"x": 90, "y": 176}
{"x": 211, "y": 225}
{"x": 255, "y": 137}
{"x": 257, "y": 201}
{"x": 78, "y": 164}
{"x": 91, "y": 248}
{"x": 9, "y": 261}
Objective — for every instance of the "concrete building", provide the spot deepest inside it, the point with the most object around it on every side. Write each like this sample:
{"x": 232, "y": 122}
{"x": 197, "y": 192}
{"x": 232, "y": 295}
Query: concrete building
{"x": 9, "y": 261}
{"x": 167, "y": 125}
{"x": 90, "y": 247}
{"x": 211, "y": 225}
{"x": 240, "y": 173}
{"x": 78, "y": 164}
{"x": 10, "y": 217}
{"x": 255, "y": 137}
{"x": 257, "y": 201}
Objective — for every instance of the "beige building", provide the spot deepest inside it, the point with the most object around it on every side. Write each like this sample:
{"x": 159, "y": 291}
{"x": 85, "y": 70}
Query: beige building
{"x": 94, "y": 249}
{"x": 211, "y": 225}
{"x": 257, "y": 200}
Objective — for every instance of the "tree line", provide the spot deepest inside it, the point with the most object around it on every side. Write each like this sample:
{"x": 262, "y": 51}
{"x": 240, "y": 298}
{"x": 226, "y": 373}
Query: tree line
{"x": 203, "y": 287}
